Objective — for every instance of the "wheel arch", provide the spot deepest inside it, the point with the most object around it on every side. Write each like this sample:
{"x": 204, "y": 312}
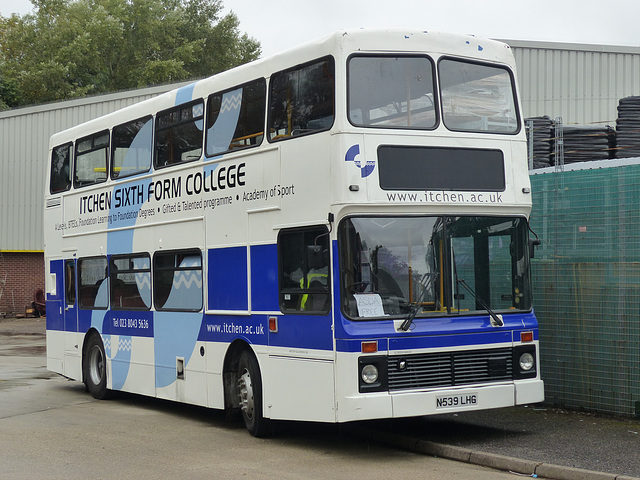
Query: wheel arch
{"x": 229, "y": 370}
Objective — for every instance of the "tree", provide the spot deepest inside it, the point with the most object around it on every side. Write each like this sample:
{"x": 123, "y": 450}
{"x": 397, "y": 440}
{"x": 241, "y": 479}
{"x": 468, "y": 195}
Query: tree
{"x": 72, "y": 48}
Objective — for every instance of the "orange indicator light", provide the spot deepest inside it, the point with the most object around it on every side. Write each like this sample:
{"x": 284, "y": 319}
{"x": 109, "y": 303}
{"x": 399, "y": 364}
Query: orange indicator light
{"x": 369, "y": 347}
{"x": 526, "y": 336}
{"x": 273, "y": 324}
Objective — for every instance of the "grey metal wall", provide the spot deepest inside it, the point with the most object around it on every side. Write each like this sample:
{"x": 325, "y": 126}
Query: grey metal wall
{"x": 580, "y": 83}
{"x": 24, "y": 142}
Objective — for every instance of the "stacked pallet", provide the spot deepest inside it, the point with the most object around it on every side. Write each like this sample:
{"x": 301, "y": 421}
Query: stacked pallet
{"x": 628, "y": 127}
{"x": 540, "y": 134}
{"x": 587, "y": 143}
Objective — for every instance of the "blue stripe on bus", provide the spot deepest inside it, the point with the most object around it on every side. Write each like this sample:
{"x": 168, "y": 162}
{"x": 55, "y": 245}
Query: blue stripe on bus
{"x": 227, "y": 328}
{"x": 264, "y": 278}
{"x": 431, "y": 341}
{"x": 227, "y": 279}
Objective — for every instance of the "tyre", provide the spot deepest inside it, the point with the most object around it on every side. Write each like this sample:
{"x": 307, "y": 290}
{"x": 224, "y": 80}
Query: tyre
{"x": 95, "y": 368}
{"x": 249, "y": 385}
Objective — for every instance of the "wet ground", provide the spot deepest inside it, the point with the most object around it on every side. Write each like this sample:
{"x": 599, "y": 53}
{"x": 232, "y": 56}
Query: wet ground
{"x": 536, "y": 433}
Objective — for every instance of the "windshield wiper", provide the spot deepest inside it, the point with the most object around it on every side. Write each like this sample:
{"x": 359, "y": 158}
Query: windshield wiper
{"x": 424, "y": 282}
{"x": 498, "y": 321}
{"x": 412, "y": 315}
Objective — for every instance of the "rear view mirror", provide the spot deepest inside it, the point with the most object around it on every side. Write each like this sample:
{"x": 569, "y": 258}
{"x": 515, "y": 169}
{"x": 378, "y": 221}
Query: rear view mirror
{"x": 533, "y": 242}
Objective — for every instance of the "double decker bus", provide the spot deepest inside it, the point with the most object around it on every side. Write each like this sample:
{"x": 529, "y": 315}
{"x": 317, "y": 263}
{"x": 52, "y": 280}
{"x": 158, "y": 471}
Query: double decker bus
{"x": 335, "y": 233}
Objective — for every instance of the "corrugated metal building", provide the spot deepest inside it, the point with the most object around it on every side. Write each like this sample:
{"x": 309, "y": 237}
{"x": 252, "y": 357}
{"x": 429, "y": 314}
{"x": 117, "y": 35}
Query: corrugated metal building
{"x": 24, "y": 142}
{"x": 581, "y": 83}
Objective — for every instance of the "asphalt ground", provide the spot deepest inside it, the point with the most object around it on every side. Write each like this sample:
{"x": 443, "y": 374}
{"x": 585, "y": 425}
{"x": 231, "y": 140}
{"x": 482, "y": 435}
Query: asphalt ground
{"x": 532, "y": 441}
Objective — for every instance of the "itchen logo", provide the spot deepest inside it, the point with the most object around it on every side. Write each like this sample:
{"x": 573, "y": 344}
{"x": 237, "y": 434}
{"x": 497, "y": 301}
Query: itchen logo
{"x": 366, "y": 168}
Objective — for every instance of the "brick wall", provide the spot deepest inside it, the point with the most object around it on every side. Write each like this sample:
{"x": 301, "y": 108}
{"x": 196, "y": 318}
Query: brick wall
{"x": 21, "y": 274}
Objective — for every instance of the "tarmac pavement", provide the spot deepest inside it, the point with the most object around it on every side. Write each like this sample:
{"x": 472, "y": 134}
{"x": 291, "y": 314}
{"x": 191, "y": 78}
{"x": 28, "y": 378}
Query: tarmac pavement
{"x": 533, "y": 441}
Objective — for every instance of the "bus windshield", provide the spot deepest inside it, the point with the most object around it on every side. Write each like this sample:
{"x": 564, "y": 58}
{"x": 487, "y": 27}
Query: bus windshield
{"x": 393, "y": 266}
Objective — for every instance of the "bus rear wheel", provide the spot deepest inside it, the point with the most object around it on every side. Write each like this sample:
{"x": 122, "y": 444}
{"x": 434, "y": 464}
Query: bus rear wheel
{"x": 95, "y": 368}
{"x": 249, "y": 385}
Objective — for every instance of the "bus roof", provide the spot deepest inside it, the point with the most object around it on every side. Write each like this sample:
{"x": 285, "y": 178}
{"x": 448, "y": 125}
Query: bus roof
{"x": 340, "y": 43}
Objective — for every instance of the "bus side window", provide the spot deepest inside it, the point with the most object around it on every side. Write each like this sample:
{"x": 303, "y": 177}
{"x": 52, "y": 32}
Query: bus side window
{"x": 177, "y": 280}
{"x": 92, "y": 283}
{"x": 132, "y": 148}
{"x": 304, "y": 270}
{"x": 179, "y": 134}
{"x": 302, "y": 100}
{"x": 60, "y": 169}
{"x": 70, "y": 282}
{"x": 130, "y": 282}
{"x": 235, "y": 118}
{"x": 91, "y": 159}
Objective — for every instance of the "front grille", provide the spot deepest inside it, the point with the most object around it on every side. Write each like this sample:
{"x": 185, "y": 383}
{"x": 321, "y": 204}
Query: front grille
{"x": 447, "y": 369}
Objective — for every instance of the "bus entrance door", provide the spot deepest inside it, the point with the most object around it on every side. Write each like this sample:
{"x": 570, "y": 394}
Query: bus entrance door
{"x": 72, "y": 346}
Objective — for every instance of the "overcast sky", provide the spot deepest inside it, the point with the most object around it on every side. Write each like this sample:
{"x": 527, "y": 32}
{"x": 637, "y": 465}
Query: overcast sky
{"x": 281, "y": 24}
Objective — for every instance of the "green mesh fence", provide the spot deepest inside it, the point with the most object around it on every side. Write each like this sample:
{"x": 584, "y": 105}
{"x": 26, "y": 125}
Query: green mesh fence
{"x": 586, "y": 278}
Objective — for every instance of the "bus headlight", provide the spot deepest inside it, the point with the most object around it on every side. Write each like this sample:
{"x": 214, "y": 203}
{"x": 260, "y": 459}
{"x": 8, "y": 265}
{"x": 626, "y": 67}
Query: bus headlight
{"x": 369, "y": 374}
{"x": 526, "y": 362}
{"x": 372, "y": 373}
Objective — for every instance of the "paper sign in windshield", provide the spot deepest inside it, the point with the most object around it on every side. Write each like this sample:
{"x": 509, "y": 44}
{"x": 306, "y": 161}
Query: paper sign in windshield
{"x": 369, "y": 305}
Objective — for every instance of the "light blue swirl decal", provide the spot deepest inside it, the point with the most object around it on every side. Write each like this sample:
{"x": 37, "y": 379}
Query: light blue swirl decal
{"x": 220, "y": 135}
{"x": 175, "y": 335}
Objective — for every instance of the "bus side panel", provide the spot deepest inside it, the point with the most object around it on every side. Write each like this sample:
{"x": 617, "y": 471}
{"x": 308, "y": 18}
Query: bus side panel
{"x": 214, "y": 354}
{"x": 129, "y": 347}
{"x": 136, "y": 374}
{"x": 299, "y": 389}
{"x": 178, "y": 361}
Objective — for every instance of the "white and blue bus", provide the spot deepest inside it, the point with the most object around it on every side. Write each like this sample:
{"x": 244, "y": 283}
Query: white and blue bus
{"x": 335, "y": 233}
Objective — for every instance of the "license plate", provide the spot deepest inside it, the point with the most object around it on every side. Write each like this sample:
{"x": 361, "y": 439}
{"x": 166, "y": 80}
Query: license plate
{"x": 453, "y": 401}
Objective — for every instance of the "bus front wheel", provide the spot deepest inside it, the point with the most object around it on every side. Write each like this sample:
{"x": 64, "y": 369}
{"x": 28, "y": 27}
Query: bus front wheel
{"x": 95, "y": 368}
{"x": 249, "y": 385}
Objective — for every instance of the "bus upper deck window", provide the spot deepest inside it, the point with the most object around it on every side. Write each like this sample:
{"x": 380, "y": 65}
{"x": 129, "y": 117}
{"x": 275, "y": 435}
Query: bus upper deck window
{"x": 477, "y": 97}
{"x": 235, "y": 118}
{"x": 60, "y": 169}
{"x": 132, "y": 148}
{"x": 391, "y": 92}
{"x": 91, "y": 159}
{"x": 179, "y": 134}
{"x": 302, "y": 100}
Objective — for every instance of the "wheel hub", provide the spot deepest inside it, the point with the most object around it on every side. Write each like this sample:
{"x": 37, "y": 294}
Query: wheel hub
{"x": 96, "y": 365}
{"x": 245, "y": 392}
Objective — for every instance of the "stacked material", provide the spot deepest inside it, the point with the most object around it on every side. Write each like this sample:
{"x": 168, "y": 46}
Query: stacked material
{"x": 540, "y": 135}
{"x": 586, "y": 143}
{"x": 628, "y": 128}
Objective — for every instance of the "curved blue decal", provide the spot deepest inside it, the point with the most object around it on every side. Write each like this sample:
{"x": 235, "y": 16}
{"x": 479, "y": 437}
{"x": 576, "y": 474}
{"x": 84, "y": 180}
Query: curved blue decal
{"x": 118, "y": 349}
{"x": 176, "y": 335}
{"x": 365, "y": 169}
